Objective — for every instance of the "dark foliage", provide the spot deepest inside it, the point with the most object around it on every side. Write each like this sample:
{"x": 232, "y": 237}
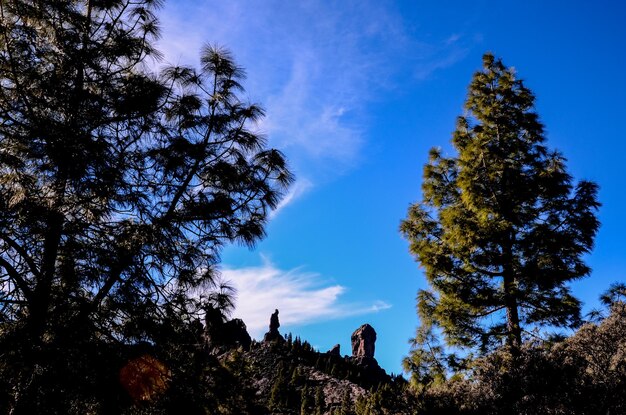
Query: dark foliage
{"x": 292, "y": 378}
{"x": 118, "y": 189}
{"x": 583, "y": 374}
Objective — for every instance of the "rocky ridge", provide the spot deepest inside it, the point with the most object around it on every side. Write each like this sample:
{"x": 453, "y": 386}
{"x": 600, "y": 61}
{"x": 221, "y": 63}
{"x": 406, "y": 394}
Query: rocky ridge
{"x": 288, "y": 376}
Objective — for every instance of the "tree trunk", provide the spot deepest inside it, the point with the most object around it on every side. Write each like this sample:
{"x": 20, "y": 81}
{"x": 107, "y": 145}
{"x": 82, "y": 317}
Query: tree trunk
{"x": 41, "y": 295}
{"x": 514, "y": 331}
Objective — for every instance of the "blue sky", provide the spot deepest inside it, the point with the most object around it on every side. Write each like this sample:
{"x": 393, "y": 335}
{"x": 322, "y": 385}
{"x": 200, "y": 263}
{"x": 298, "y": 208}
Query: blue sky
{"x": 356, "y": 92}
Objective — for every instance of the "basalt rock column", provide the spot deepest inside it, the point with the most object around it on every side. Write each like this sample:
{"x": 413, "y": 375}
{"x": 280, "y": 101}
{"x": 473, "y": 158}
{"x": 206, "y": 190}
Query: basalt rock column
{"x": 273, "y": 334}
{"x": 364, "y": 341}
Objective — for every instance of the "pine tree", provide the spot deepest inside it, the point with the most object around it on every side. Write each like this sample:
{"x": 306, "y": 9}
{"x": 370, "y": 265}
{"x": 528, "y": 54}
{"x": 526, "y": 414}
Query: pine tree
{"x": 346, "y": 403}
{"x": 501, "y": 228}
{"x": 280, "y": 389}
{"x": 427, "y": 362}
{"x": 119, "y": 186}
{"x": 306, "y": 401}
{"x": 360, "y": 407}
{"x": 614, "y": 295}
{"x": 320, "y": 401}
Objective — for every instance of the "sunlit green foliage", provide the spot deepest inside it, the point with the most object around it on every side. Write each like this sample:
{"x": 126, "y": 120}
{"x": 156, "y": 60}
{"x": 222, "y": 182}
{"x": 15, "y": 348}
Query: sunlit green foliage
{"x": 502, "y": 228}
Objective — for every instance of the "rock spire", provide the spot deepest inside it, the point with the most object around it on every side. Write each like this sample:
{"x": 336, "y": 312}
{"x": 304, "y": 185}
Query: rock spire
{"x": 364, "y": 341}
{"x": 273, "y": 334}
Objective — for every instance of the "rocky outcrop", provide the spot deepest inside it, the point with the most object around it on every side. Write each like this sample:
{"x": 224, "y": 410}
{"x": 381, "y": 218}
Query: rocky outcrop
{"x": 363, "y": 348}
{"x": 364, "y": 342}
{"x": 236, "y": 334}
{"x": 327, "y": 383}
{"x": 220, "y": 335}
{"x": 273, "y": 335}
{"x": 274, "y": 322}
{"x": 335, "y": 351}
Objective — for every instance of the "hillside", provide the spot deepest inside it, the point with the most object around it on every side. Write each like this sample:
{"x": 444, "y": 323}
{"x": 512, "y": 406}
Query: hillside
{"x": 581, "y": 374}
{"x": 284, "y": 375}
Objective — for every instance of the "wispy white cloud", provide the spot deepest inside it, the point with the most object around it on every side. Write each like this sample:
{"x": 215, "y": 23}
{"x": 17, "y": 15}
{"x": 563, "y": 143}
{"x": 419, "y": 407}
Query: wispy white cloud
{"x": 441, "y": 57}
{"x": 302, "y": 297}
{"x": 441, "y": 54}
{"x": 315, "y": 65}
{"x": 310, "y": 63}
{"x": 300, "y": 187}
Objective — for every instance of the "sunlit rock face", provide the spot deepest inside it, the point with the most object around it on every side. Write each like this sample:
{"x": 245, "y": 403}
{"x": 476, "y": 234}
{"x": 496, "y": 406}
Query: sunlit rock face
{"x": 364, "y": 341}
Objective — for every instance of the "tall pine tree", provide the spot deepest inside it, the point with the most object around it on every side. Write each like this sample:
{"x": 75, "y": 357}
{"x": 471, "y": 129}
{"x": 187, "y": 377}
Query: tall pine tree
{"x": 502, "y": 228}
{"x": 118, "y": 187}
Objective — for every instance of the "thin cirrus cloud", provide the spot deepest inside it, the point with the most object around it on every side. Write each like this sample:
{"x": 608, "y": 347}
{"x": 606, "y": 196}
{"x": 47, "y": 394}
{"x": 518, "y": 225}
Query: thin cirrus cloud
{"x": 296, "y": 190}
{"x": 315, "y": 65}
{"x": 308, "y": 63}
{"x": 298, "y": 294}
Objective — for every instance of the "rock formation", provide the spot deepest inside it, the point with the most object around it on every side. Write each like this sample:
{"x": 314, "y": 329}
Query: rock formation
{"x": 274, "y": 323}
{"x": 236, "y": 334}
{"x": 335, "y": 351}
{"x": 273, "y": 334}
{"x": 364, "y": 341}
{"x": 221, "y": 334}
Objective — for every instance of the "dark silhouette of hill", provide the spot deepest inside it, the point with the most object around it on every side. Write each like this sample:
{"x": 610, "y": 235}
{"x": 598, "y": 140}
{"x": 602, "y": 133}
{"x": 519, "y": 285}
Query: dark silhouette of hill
{"x": 289, "y": 377}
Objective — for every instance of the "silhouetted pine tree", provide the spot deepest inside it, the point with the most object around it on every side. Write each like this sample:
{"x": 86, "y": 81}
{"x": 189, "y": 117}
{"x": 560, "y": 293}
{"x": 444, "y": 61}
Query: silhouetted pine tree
{"x": 118, "y": 186}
